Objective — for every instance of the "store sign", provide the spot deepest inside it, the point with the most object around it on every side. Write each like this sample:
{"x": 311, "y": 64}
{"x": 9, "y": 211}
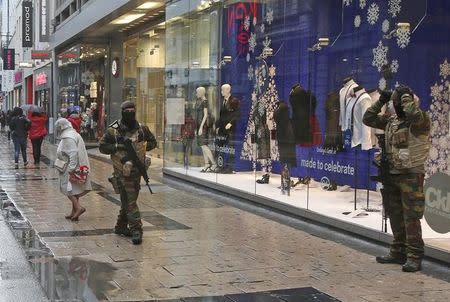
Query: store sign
{"x": 27, "y": 24}
{"x": 40, "y": 55}
{"x": 437, "y": 202}
{"x": 18, "y": 77}
{"x": 41, "y": 79}
{"x": 43, "y": 21}
{"x": 9, "y": 60}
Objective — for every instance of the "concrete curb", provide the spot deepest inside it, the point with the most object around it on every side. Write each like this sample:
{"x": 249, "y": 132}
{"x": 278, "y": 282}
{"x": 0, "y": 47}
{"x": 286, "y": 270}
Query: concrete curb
{"x": 355, "y": 229}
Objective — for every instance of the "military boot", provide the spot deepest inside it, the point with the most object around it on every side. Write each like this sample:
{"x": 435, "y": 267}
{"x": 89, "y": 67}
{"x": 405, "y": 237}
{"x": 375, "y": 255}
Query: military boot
{"x": 136, "y": 237}
{"x": 412, "y": 265}
{"x": 122, "y": 230}
{"x": 396, "y": 258}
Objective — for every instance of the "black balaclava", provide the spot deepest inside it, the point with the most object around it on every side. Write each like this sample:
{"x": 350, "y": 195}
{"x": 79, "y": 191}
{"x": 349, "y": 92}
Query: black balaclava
{"x": 128, "y": 117}
{"x": 397, "y": 99}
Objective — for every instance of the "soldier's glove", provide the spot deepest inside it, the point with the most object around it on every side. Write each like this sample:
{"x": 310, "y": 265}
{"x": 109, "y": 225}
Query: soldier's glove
{"x": 385, "y": 96}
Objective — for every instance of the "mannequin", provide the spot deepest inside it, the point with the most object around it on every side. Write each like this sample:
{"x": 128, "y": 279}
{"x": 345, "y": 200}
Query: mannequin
{"x": 187, "y": 134}
{"x": 354, "y": 111}
{"x": 344, "y": 95}
{"x": 226, "y": 129}
{"x": 286, "y": 145}
{"x": 333, "y": 133}
{"x": 202, "y": 119}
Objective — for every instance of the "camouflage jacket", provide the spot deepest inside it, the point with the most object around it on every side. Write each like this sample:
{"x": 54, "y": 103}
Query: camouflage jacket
{"x": 407, "y": 139}
{"x": 112, "y": 143}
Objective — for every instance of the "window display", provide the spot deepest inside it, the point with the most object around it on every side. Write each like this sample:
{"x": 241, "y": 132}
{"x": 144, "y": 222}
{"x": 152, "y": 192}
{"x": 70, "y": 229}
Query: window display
{"x": 289, "y": 93}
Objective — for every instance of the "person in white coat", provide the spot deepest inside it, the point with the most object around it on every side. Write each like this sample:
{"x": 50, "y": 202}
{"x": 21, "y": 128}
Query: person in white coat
{"x": 74, "y": 174}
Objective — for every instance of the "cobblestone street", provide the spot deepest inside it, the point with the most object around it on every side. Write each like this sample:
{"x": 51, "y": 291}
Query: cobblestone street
{"x": 200, "y": 244}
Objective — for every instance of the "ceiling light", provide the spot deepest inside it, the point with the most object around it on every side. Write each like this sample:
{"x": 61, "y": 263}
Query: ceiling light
{"x": 127, "y": 18}
{"x": 149, "y": 5}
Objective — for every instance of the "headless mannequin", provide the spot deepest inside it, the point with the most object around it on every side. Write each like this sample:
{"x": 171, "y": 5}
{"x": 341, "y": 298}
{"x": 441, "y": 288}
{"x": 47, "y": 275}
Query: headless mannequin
{"x": 344, "y": 95}
{"x": 210, "y": 163}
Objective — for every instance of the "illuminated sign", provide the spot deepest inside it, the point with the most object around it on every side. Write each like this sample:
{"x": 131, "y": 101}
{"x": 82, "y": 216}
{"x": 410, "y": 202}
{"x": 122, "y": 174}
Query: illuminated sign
{"x": 9, "y": 60}
{"x": 41, "y": 79}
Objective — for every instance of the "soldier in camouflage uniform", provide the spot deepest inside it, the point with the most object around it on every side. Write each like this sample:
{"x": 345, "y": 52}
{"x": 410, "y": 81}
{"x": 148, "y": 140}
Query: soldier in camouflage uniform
{"x": 126, "y": 177}
{"x": 407, "y": 144}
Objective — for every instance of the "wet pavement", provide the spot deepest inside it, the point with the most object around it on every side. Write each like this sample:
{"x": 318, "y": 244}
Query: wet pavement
{"x": 198, "y": 246}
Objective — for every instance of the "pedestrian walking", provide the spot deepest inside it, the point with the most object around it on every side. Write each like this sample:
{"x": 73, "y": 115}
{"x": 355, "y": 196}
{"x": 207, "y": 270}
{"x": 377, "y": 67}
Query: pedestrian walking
{"x": 407, "y": 133}
{"x": 2, "y": 121}
{"x": 37, "y": 133}
{"x": 126, "y": 178}
{"x": 72, "y": 163}
{"x": 9, "y": 115}
{"x": 19, "y": 126}
{"x": 75, "y": 119}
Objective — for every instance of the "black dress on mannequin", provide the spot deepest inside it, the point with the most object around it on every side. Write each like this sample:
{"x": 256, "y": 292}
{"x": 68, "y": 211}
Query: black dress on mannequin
{"x": 285, "y": 135}
{"x": 303, "y": 105}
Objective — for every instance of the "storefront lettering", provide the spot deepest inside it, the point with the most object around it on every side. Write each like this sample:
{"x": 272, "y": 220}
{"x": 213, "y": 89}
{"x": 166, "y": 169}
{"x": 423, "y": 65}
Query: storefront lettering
{"x": 27, "y": 24}
{"x": 238, "y": 13}
{"x": 437, "y": 199}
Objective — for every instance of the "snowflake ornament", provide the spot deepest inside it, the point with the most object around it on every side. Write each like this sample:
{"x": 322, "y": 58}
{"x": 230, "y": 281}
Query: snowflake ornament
{"x": 267, "y": 42}
{"x": 247, "y": 23}
{"x": 395, "y": 66}
{"x": 362, "y": 3}
{"x": 385, "y": 26}
{"x": 445, "y": 69}
{"x": 250, "y": 73}
{"x": 436, "y": 91}
{"x": 394, "y": 7}
{"x": 373, "y": 13}
{"x": 347, "y": 2}
{"x": 262, "y": 28}
{"x": 357, "y": 21}
{"x": 380, "y": 56}
{"x": 272, "y": 71}
{"x": 403, "y": 37}
{"x": 382, "y": 84}
{"x": 269, "y": 16}
{"x": 252, "y": 42}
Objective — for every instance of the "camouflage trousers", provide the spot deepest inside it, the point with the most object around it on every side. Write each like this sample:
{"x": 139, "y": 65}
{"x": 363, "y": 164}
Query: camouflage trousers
{"x": 129, "y": 212}
{"x": 406, "y": 204}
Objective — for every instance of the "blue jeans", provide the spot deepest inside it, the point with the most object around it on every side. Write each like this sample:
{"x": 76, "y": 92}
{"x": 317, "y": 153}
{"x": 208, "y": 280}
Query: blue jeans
{"x": 20, "y": 145}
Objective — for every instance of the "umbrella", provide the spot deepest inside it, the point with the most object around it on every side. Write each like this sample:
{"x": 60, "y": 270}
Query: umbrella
{"x": 31, "y": 107}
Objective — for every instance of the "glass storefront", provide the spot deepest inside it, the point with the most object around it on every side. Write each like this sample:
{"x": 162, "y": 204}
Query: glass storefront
{"x": 267, "y": 97}
{"x": 144, "y": 61}
{"x": 42, "y": 87}
{"x": 81, "y": 87}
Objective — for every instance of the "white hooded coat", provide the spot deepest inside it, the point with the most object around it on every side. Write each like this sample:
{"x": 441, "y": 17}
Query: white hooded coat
{"x": 71, "y": 149}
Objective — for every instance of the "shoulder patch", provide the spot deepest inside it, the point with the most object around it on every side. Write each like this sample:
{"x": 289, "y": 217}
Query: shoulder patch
{"x": 115, "y": 125}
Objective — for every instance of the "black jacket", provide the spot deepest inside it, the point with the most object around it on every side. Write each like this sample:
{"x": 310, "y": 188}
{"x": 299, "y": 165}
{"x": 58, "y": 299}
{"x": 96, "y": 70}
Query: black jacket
{"x": 303, "y": 105}
{"x": 229, "y": 113}
{"x": 19, "y": 126}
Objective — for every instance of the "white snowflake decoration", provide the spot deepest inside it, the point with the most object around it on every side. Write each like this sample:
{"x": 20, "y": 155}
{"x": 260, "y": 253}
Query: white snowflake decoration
{"x": 445, "y": 69}
{"x": 347, "y": 2}
{"x": 362, "y": 3}
{"x": 439, "y": 155}
{"x": 436, "y": 91}
{"x": 382, "y": 84}
{"x": 394, "y": 7}
{"x": 357, "y": 21}
{"x": 380, "y": 56}
{"x": 272, "y": 71}
{"x": 252, "y": 42}
{"x": 269, "y": 16}
{"x": 373, "y": 13}
{"x": 248, "y": 57}
{"x": 385, "y": 26}
{"x": 403, "y": 37}
{"x": 262, "y": 28}
{"x": 247, "y": 23}
{"x": 267, "y": 42}
{"x": 395, "y": 66}
{"x": 250, "y": 72}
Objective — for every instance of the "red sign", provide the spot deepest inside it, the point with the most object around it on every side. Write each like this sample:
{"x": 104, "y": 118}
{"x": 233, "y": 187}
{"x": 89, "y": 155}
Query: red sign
{"x": 40, "y": 55}
{"x": 18, "y": 76}
{"x": 41, "y": 79}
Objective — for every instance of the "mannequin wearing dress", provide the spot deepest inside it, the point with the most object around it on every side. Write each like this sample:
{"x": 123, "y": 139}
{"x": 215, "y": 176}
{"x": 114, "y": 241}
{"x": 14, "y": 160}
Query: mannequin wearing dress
{"x": 202, "y": 131}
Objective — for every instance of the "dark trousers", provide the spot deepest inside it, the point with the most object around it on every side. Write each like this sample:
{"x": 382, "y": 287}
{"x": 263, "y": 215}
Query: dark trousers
{"x": 20, "y": 145}
{"x": 37, "y": 145}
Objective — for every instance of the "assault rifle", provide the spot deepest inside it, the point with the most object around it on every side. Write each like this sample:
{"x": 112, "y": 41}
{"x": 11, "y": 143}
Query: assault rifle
{"x": 133, "y": 157}
{"x": 383, "y": 175}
